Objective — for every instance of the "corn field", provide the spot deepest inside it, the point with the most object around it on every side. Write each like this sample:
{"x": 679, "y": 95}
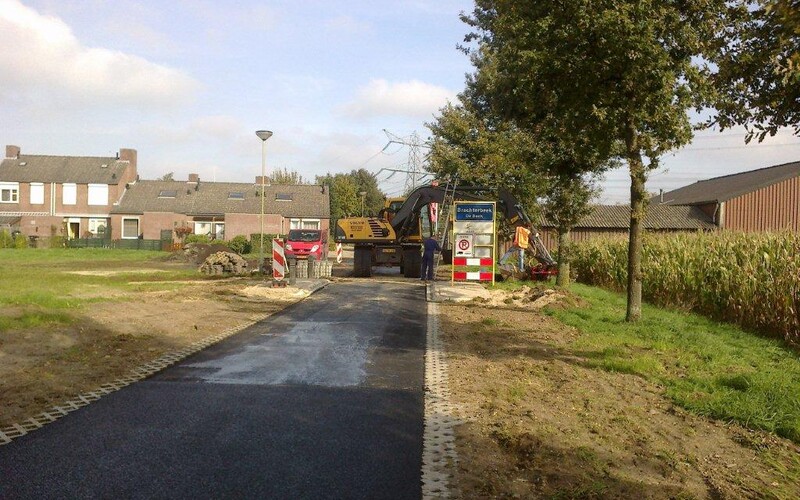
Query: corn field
{"x": 749, "y": 279}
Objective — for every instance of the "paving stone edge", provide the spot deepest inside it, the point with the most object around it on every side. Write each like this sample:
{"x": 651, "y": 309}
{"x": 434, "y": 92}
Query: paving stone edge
{"x": 439, "y": 457}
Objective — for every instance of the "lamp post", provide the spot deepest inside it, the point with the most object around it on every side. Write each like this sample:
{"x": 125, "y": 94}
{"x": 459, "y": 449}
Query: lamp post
{"x": 362, "y": 194}
{"x": 263, "y": 135}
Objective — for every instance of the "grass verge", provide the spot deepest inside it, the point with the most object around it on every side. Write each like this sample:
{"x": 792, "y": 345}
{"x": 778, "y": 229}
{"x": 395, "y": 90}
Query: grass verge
{"x": 712, "y": 369}
{"x": 41, "y": 287}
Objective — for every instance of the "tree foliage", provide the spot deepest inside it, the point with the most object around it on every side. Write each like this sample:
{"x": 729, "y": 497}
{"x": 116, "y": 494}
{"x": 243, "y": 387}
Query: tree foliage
{"x": 286, "y": 177}
{"x": 345, "y": 201}
{"x": 483, "y": 152}
{"x": 367, "y": 183}
{"x": 759, "y": 69}
{"x": 614, "y": 77}
{"x": 169, "y": 176}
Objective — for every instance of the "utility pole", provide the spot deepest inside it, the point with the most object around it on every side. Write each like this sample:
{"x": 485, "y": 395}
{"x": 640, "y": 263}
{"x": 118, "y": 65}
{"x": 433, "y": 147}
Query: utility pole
{"x": 415, "y": 157}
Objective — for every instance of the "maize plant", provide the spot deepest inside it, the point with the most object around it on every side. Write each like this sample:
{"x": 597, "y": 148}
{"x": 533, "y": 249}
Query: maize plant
{"x": 745, "y": 278}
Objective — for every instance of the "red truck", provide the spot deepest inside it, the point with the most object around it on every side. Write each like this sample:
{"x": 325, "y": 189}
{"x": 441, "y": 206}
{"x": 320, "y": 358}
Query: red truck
{"x": 307, "y": 243}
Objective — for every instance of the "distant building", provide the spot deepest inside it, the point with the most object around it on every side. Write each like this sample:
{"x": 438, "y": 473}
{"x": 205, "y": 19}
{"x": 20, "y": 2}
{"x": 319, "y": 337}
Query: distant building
{"x": 767, "y": 199}
{"x": 614, "y": 220}
{"x": 42, "y": 195}
{"x": 220, "y": 210}
{"x": 85, "y": 197}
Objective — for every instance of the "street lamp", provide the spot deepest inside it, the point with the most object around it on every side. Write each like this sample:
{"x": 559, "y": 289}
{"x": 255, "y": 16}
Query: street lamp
{"x": 362, "y": 194}
{"x": 263, "y": 135}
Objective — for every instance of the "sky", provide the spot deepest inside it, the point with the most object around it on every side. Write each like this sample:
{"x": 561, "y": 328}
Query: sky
{"x": 188, "y": 82}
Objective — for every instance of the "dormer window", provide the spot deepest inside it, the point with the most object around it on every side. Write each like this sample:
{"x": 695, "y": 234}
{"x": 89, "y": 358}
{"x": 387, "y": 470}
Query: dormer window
{"x": 236, "y": 195}
{"x": 167, "y": 193}
{"x": 283, "y": 196}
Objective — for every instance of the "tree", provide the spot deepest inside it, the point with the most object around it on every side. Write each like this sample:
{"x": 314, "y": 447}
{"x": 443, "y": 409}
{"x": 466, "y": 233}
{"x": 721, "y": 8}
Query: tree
{"x": 343, "y": 189}
{"x": 759, "y": 70}
{"x": 286, "y": 177}
{"x": 367, "y": 183}
{"x": 169, "y": 176}
{"x": 566, "y": 204}
{"x": 485, "y": 150}
{"x": 616, "y": 76}
{"x": 478, "y": 150}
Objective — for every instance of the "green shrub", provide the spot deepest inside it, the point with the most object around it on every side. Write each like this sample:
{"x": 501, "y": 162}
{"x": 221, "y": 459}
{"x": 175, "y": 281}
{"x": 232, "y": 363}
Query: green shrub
{"x": 240, "y": 245}
{"x": 20, "y": 241}
{"x": 197, "y": 238}
{"x": 255, "y": 242}
{"x": 6, "y": 240}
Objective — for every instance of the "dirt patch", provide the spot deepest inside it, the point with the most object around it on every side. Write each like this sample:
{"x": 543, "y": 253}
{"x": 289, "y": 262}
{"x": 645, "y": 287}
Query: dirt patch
{"x": 539, "y": 422}
{"x": 42, "y": 367}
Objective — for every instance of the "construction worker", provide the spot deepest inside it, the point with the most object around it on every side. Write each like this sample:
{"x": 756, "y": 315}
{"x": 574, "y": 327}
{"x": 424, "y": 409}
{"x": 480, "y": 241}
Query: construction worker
{"x": 430, "y": 247}
{"x": 521, "y": 242}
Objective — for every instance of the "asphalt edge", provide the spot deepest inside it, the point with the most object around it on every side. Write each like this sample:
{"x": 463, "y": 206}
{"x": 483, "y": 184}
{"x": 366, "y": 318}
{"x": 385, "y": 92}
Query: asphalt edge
{"x": 141, "y": 372}
{"x": 439, "y": 455}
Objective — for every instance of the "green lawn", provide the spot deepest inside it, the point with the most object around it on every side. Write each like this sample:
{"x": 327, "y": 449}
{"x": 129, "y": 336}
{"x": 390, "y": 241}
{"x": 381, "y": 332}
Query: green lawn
{"x": 709, "y": 368}
{"x": 39, "y": 286}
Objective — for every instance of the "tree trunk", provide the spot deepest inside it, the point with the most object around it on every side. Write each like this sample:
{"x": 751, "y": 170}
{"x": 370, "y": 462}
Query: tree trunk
{"x": 562, "y": 280}
{"x": 637, "y": 173}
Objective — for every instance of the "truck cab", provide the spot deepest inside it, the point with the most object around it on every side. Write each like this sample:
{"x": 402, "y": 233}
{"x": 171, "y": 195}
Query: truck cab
{"x": 307, "y": 243}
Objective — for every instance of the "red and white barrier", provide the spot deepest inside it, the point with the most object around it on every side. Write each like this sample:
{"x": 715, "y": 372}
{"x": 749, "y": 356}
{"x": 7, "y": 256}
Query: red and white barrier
{"x": 338, "y": 253}
{"x": 278, "y": 259}
{"x": 482, "y": 275}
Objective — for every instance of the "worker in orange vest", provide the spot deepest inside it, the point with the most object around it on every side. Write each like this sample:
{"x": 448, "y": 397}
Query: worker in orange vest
{"x": 521, "y": 242}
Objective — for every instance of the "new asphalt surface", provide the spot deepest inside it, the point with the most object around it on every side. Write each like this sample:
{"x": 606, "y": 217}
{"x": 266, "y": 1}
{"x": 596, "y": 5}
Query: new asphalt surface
{"x": 323, "y": 400}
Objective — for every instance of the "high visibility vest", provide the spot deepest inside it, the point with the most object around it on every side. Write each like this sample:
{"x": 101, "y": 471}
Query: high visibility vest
{"x": 521, "y": 237}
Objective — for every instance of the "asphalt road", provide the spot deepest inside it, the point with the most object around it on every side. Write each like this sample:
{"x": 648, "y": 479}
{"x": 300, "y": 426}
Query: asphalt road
{"x": 323, "y": 400}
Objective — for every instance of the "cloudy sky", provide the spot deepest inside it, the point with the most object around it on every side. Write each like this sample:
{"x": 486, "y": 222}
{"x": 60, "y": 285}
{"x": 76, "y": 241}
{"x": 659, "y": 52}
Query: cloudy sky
{"x": 187, "y": 83}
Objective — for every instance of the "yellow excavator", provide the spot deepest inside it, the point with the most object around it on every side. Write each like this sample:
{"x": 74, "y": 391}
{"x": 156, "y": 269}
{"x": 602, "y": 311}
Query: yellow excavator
{"x": 394, "y": 238}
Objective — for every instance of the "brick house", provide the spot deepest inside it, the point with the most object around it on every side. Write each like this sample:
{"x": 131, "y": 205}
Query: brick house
{"x": 72, "y": 196}
{"x": 221, "y": 210}
{"x": 614, "y": 220}
{"x": 767, "y": 199}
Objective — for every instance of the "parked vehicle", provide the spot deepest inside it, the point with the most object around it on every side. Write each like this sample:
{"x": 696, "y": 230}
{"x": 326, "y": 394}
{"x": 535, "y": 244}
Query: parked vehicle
{"x": 307, "y": 243}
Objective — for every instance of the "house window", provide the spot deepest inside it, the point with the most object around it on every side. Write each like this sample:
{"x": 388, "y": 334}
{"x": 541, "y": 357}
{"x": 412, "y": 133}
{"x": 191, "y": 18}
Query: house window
{"x": 37, "y": 193}
{"x": 219, "y": 230}
{"x": 98, "y": 226}
{"x": 69, "y": 194}
{"x": 303, "y": 223}
{"x": 9, "y": 192}
{"x": 236, "y": 195}
{"x": 202, "y": 228}
{"x": 98, "y": 194}
{"x": 283, "y": 196}
{"x": 130, "y": 229}
{"x": 167, "y": 193}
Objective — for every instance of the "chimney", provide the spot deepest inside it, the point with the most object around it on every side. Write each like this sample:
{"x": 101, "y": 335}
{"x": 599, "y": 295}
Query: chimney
{"x": 12, "y": 151}
{"x": 661, "y": 195}
{"x": 129, "y": 155}
{"x": 258, "y": 180}
{"x": 193, "y": 179}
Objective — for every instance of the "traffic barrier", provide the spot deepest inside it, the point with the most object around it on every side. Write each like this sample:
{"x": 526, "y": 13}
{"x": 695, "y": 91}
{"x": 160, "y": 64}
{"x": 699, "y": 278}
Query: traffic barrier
{"x": 483, "y": 274}
{"x": 338, "y": 253}
{"x": 278, "y": 259}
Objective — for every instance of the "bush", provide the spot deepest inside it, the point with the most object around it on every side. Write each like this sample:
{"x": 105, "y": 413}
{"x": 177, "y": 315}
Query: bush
{"x": 20, "y": 241}
{"x": 255, "y": 242}
{"x": 6, "y": 240}
{"x": 196, "y": 238}
{"x": 240, "y": 245}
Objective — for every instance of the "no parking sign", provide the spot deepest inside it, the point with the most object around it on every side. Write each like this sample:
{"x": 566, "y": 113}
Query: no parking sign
{"x": 464, "y": 244}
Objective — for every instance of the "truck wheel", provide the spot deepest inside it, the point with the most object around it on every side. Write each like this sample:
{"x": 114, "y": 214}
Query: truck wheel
{"x": 412, "y": 262}
{"x": 362, "y": 262}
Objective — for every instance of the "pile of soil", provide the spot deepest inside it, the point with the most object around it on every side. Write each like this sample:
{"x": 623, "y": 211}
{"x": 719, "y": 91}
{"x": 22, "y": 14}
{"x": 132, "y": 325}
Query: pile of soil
{"x": 527, "y": 298}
